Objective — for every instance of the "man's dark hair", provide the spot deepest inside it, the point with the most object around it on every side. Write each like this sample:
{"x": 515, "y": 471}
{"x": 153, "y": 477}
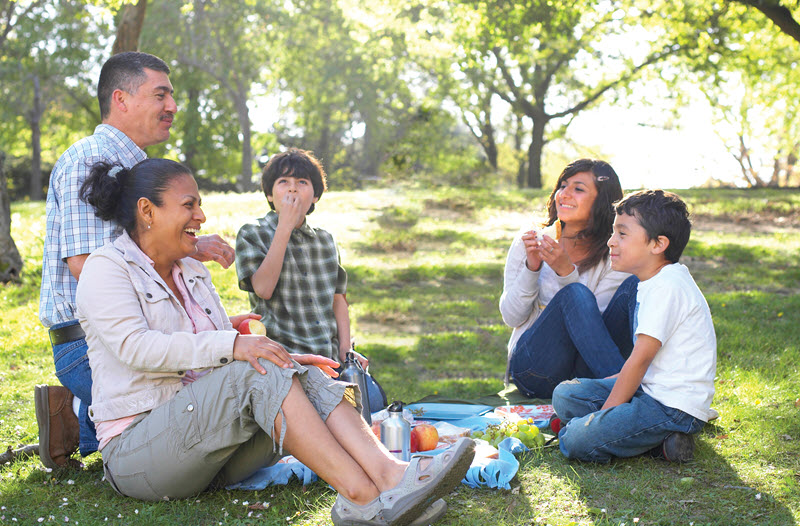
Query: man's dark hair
{"x": 125, "y": 71}
{"x": 661, "y": 214}
{"x": 297, "y": 163}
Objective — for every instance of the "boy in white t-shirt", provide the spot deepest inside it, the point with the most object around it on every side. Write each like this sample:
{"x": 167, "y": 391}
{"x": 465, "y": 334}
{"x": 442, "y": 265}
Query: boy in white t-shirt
{"x": 663, "y": 393}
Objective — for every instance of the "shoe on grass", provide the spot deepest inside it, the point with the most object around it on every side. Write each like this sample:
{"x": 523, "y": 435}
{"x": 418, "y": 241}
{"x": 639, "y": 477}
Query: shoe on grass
{"x": 59, "y": 431}
{"x": 678, "y": 447}
{"x": 426, "y": 480}
{"x": 346, "y": 513}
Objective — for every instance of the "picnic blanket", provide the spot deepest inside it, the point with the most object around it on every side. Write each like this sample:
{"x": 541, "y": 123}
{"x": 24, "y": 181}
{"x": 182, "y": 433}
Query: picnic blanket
{"x": 475, "y": 414}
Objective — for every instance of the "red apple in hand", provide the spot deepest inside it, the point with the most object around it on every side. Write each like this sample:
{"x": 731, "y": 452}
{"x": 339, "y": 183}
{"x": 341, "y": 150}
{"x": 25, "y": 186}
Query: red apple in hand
{"x": 425, "y": 437}
{"x": 251, "y": 326}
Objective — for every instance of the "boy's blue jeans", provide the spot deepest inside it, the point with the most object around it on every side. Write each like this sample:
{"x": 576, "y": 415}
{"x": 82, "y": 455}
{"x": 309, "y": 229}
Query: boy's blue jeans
{"x": 571, "y": 339}
{"x": 626, "y": 430}
{"x": 72, "y": 370}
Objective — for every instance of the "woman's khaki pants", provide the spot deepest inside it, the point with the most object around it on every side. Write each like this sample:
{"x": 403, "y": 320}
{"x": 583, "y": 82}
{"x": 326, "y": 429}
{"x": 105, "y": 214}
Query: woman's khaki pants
{"x": 215, "y": 431}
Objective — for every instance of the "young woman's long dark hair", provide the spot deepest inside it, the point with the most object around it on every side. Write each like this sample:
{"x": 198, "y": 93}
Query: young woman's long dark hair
{"x": 114, "y": 191}
{"x": 601, "y": 219}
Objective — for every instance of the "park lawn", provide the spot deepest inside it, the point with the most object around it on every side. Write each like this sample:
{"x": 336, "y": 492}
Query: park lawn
{"x": 425, "y": 276}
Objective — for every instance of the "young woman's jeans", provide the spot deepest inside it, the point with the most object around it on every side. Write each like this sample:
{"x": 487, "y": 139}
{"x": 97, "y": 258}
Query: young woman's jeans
{"x": 571, "y": 339}
{"x": 626, "y": 430}
{"x": 72, "y": 370}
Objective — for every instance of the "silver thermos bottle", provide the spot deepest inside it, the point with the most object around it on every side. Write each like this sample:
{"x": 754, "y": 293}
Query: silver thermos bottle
{"x": 354, "y": 374}
{"x": 396, "y": 432}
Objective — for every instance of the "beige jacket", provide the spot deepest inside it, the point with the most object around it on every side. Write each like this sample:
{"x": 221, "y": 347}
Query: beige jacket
{"x": 140, "y": 339}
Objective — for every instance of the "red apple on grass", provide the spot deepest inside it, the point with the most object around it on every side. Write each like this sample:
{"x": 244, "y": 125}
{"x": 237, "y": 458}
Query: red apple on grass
{"x": 424, "y": 437}
{"x": 251, "y": 326}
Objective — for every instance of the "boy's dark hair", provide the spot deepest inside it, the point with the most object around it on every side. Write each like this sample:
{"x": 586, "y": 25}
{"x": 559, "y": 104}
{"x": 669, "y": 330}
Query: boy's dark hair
{"x": 601, "y": 219}
{"x": 125, "y": 71}
{"x": 661, "y": 214}
{"x": 297, "y": 163}
{"x": 114, "y": 191}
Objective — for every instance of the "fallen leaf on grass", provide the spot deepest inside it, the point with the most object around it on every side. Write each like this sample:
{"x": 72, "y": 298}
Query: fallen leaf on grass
{"x": 259, "y": 506}
{"x": 721, "y": 437}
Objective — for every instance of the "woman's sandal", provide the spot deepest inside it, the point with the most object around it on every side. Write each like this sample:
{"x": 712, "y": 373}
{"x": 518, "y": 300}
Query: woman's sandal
{"x": 345, "y": 513}
{"x": 426, "y": 480}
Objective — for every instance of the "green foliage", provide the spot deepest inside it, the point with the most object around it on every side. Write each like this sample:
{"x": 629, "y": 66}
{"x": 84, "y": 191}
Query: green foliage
{"x": 45, "y": 50}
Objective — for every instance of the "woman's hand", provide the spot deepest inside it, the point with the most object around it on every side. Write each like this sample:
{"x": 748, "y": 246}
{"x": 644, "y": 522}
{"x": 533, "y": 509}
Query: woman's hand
{"x": 551, "y": 252}
{"x": 326, "y": 364}
{"x": 531, "y": 242}
{"x": 239, "y": 318}
{"x": 251, "y": 347}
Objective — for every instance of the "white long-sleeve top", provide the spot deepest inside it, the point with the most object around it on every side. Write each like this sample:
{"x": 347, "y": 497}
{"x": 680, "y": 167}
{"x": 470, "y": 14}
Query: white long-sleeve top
{"x": 526, "y": 293}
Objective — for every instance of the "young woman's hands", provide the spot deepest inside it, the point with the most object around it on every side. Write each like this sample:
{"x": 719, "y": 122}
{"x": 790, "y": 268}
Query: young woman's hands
{"x": 553, "y": 253}
{"x": 251, "y": 347}
{"x": 530, "y": 241}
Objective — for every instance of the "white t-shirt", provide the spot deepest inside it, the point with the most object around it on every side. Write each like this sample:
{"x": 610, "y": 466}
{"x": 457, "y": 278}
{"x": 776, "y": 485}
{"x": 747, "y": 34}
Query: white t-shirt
{"x": 671, "y": 309}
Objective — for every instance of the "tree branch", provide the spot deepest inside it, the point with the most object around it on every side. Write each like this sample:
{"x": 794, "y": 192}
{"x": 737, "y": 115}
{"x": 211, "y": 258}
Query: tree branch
{"x": 780, "y": 15}
{"x": 597, "y": 94}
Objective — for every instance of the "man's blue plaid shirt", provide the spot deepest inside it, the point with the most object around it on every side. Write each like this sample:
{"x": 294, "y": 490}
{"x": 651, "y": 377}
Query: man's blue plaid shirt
{"x": 72, "y": 227}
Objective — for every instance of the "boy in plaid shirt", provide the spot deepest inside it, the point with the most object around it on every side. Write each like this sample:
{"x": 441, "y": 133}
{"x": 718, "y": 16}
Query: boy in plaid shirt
{"x": 290, "y": 270}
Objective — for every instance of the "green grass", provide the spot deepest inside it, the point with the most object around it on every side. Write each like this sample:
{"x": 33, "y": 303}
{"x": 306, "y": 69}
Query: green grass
{"x": 425, "y": 275}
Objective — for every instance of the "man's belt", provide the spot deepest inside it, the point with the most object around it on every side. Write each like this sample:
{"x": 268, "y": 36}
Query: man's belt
{"x": 67, "y": 334}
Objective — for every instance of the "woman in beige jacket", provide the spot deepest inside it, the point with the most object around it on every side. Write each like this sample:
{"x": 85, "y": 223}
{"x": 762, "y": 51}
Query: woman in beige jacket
{"x": 182, "y": 402}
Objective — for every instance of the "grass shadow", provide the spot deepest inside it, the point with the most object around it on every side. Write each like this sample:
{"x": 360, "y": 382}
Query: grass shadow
{"x": 644, "y": 490}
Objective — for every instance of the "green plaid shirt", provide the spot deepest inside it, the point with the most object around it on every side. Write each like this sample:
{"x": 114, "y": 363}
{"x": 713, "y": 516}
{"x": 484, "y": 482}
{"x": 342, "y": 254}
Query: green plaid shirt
{"x": 300, "y": 313}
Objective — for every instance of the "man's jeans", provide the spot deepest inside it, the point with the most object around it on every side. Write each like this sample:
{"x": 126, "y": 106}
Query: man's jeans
{"x": 72, "y": 370}
{"x": 626, "y": 430}
{"x": 571, "y": 339}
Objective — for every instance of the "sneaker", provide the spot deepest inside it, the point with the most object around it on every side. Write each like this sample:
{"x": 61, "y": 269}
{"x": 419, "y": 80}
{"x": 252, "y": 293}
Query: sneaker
{"x": 426, "y": 480}
{"x": 59, "y": 431}
{"x": 346, "y": 513}
{"x": 678, "y": 447}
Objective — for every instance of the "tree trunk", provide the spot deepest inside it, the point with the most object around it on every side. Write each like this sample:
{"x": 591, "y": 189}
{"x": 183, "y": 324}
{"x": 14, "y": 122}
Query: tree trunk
{"x": 534, "y": 179}
{"x": 190, "y": 116}
{"x": 130, "y": 27}
{"x": 10, "y": 260}
{"x": 518, "y": 132}
{"x": 245, "y": 182}
{"x": 489, "y": 145}
{"x": 370, "y": 157}
{"x": 323, "y": 148}
{"x": 36, "y": 142}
